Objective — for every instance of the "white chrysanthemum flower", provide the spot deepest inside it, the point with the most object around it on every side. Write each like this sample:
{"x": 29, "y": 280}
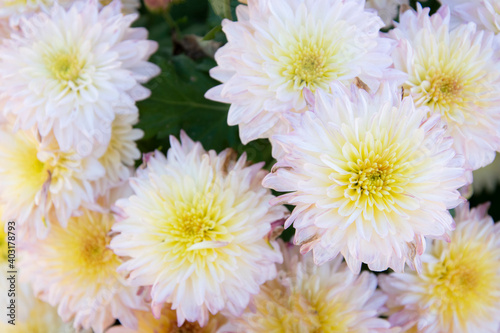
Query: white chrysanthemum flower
{"x": 484, "y": 13}
{"x": 72, "y": 71}
{"x": 386, "y": 9}
{"x": 459, "y": 287}
{"x": 168, "y": 323}
{"x": 307, "y": 298}
{"x": 487, "y": 178}
{"x": 369, "y": 176}
{"x": 33, "y": 315}
{"x": 74, "y": 269}
{"x": 278, "y": 49}
{"x": 195, "y": 230}
{"x": 40, "y": 182}
{"x": 9, "y": 8}
{"x": 127, "y": 6}
{"x": 15, "y": 8}
{"x": 120, "y": 153}
{"x": 456, "y": 74}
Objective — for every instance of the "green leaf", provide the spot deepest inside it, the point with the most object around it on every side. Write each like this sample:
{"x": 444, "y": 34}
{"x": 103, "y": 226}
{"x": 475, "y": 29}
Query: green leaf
{"x": 211, "y": 34}
{"x": 177, "y": 102}
{"x": 222, "y": 8}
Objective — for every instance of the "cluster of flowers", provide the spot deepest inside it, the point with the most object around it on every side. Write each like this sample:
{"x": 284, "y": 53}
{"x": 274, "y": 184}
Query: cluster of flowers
{"x": 375, "y": 135}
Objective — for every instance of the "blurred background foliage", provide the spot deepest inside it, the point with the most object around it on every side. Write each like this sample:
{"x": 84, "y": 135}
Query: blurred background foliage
{"x": 188, "y": 34}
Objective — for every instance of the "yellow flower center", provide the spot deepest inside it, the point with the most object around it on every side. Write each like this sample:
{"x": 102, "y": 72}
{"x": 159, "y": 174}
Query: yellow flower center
{"x": 445, "y": 90}
{"x": 298, "y": 307}
{"x": 375, "y": 171}
{"x": 94, "y": 251}
{"x": 10, "y": 3}
{"x": 279, "y": 309}
{"x": 168, "y": 323}
{"x": 83, "y": 248}
{"x": 195, "y": 224}
{"x": 64, "y": 66}
{"x": 308, "y": 66}
{"x": 463, "y": 281}
{"x": 196, "y": 221}
{"x": 187, "y": 327}
{"x": 26, "y": 174}
{"x": 311, "y": 63}
{"x": 3, "y": 244}
{"x": 371, "y": 176}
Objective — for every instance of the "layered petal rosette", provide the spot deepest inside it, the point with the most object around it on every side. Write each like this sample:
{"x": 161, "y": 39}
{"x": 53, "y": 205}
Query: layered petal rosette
{"x": 13, "y": 9}
{"x": 196, "y": 229}
{"x": 369, "y": 176}
{"x": 74, "y": 270}
{"x": 32, "y": 314}
{"x": 307, "y": 298}
{"x": 459, "y": 287}
{"x": 278, "y": 50}
{"x": 456, "y": 73}
{"x": 71, "y": 71}
{"x": 120, "y": 154}
{"x": 168, "y": 323}
{"x": 40, "y": 183}
{"x": 484, "y": 13}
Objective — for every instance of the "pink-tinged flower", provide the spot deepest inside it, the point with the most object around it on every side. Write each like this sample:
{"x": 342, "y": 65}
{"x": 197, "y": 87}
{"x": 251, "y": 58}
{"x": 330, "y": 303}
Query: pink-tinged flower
{"x": 31, "y": 314}
{"x": 484, "y": 13}
{"x": 196, "y": 229}
{"x": 120, "y": 154}
{"x": 456, "y": 73}
{"x": 40, "y": 183}
{"x": 13, "y": 9}
{"x": 307, "y": 298}
{"x": 278, "y": 50}
{"x": 71, "y": 71}
{"x": 9, "y": 8}
{"x": 369, "y": 176}
{"x": 168, "y": 323}
{"x": 459, "y": 287}
{"x": 74, "y": 269}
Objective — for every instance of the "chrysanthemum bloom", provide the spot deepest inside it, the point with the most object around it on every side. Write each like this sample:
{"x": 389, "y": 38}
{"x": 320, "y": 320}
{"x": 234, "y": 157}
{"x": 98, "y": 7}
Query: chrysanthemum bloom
{"x": 127, "y": 6}
{"x": 459, "y": 288}
{"x": 277, "y": 49}
{"x": 456, "y": 73}
{"x": 72, "y": 71}
{"x": 33, "y": 315}
{"x": 195, "y": 231}
{"x": 74, "y": 269}
{"x": 386, "y": 9}
{"x": 30, "y": 314}
{"x": 369, "y": 176}
{"x": 307, "y": 298}
{"x": 120, "y": 153}
{"x": 41, "y": 183}
{"x": 15, "y": 8}
{"x": 10, "y": 8}
{"x": 168, "y": 323}
{"x": 484, "y": 13}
